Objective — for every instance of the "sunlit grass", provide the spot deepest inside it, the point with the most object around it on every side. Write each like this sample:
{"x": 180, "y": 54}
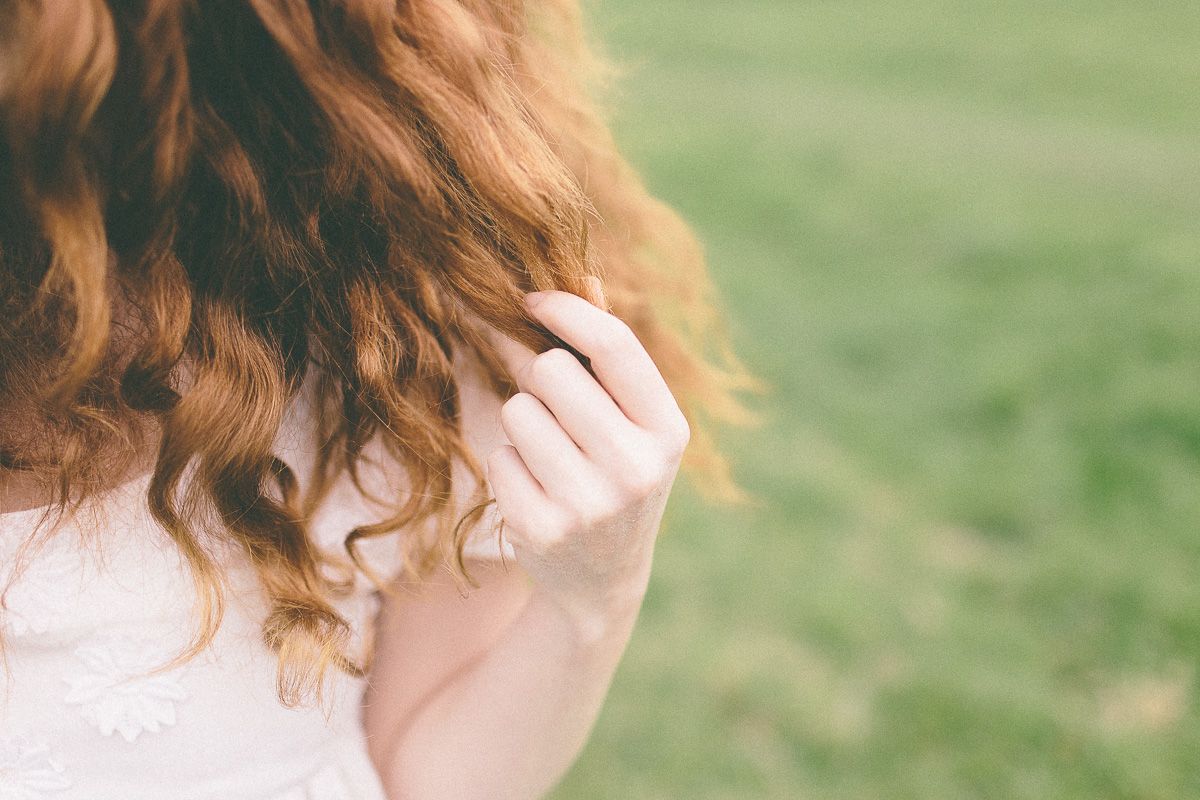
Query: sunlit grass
{"x": 962, "y": 241}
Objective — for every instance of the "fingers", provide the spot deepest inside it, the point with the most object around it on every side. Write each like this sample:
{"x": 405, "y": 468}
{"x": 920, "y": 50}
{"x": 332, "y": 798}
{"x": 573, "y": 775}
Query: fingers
{"x": 621, "y": 364}
{"x": 549, "y": 454}
{"x": 592, "y": 457}
{"x": 520, "y": 499}
{"x": 581, "y": 405}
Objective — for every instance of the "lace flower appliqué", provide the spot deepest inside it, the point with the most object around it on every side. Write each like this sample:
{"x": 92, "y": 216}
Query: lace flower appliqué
{"x": 117, "y": 689}
{"x": 28, "y": 772}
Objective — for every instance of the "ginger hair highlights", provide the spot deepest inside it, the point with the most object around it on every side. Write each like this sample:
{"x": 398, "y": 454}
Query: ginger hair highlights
{"x": 202, "y": 202}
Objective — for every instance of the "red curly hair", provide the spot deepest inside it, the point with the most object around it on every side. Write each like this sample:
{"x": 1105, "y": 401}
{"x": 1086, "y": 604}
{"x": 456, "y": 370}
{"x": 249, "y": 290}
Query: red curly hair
{"x": 202, "y": 202}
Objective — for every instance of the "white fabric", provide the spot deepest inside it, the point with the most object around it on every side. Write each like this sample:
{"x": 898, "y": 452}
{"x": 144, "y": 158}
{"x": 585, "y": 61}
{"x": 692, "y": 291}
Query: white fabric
{"x": 84, "y": 714}
{"x": 88, "y": 619}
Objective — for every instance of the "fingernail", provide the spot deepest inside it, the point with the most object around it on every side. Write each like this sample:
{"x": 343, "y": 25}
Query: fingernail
{"x": 533, "y": 298}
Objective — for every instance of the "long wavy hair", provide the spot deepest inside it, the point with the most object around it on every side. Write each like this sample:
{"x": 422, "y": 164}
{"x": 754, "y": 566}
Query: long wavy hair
{"x": 204, "y": 201}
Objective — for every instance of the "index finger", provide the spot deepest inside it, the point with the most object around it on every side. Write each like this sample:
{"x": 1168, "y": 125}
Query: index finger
{"x": 621, "y": 364}
{"x": 514, "y": 356}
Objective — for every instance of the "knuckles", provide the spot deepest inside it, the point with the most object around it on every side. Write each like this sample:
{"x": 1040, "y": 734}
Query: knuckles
{"x": 595, "y": 509}
{"x": 549, "y": 366}
{"x": 644, "y": 466}
{"x": 677, "y": 436}
{"x": 640, "y": 479}
{"x": 561, "y": 524}
{"x": 518, "y": 407}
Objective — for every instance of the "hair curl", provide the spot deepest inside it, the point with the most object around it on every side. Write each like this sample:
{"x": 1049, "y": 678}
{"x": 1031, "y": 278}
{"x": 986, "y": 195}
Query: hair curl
{"x": 253, "y": 189}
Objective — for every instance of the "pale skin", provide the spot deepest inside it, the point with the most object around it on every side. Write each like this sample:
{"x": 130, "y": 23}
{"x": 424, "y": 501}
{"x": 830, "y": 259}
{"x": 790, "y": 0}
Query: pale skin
{"x": 493, "y": 695}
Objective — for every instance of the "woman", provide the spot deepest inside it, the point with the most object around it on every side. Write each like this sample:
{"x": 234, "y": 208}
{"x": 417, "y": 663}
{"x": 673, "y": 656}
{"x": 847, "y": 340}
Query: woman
{"x": 291, "y": 507}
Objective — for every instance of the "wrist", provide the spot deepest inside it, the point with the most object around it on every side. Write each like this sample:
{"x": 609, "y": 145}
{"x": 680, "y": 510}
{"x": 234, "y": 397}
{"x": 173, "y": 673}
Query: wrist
{"x": 593, "y": 619}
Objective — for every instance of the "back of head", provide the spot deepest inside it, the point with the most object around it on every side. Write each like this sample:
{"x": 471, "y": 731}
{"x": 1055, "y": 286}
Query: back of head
{"x": 202, "y": 202}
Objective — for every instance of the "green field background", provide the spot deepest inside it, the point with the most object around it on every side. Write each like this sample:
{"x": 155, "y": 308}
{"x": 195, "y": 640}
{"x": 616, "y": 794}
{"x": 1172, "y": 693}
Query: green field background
{"x": 961, "y": 241}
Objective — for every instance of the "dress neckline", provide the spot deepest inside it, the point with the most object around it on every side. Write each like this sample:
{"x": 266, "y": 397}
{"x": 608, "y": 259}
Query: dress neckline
{"x": 142, "y": 480}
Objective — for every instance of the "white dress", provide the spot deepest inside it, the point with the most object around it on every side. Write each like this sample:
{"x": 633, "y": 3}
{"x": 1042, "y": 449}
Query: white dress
{"x": 85, "y": 716}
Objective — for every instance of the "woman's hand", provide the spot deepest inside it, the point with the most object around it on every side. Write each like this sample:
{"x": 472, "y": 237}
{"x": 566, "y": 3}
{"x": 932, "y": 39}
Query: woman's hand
{"x": 583, "y": 485}
{"x": 492, "y": 696}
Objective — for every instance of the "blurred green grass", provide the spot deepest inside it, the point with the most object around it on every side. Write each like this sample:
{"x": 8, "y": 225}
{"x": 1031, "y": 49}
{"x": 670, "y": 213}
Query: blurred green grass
{"x": 962, "y": 242}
